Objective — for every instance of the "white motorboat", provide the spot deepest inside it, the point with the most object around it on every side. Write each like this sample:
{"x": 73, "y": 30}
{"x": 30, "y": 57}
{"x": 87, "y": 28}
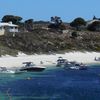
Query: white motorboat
{"x": 61, "y": 62}
{"x": 97, "y": 58}
{"x": 5, "y": 70}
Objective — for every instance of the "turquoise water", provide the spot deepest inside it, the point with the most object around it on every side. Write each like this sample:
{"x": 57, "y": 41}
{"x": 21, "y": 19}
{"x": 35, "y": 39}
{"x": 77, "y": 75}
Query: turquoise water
{"x": 52, "y": 84}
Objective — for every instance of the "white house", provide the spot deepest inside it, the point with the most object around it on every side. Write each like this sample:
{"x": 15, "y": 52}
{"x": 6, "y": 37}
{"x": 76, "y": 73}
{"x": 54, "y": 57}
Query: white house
{"x": 8, "y": 28}
{"x": 92, "y": 21}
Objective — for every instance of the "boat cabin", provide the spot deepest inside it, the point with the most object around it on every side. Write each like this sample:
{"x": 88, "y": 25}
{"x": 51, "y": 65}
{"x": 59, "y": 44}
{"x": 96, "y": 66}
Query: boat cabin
{"x": 28, "y": 64}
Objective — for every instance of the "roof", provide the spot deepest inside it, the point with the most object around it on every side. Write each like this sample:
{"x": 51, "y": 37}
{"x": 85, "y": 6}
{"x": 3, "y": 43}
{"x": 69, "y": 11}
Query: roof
{"x": 8, "y": 24}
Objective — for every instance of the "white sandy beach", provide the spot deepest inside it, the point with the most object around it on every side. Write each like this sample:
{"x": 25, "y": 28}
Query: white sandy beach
{"x": 84, "y": 57}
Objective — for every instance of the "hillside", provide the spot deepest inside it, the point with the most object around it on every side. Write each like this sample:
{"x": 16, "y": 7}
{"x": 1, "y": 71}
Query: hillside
{"x": 49, "y": 41}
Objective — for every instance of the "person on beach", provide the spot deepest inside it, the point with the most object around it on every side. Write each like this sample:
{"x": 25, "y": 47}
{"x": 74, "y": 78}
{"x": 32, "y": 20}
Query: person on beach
{"x": 41, "y": 62}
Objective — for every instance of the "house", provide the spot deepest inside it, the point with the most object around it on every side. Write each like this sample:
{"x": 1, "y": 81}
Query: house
{"x": 93, "y": 25}
{"x": 92, "y": 21}
{"x": 8, "y": 28}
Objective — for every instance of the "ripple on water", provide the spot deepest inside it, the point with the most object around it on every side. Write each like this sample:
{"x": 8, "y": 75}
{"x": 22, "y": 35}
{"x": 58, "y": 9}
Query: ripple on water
{"x": 56, "y": 84}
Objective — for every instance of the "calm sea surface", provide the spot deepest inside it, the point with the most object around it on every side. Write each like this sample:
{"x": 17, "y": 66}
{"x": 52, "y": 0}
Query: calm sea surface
{"x": 52, "y": 84}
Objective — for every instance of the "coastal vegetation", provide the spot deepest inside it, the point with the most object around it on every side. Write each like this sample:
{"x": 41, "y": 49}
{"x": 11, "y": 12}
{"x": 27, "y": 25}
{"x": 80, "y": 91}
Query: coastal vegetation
{"x": 50, "y": 36}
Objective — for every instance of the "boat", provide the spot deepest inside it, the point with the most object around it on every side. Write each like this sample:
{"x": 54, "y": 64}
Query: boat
{"x": 61, "y": 62}
{"x": 5, "y": 70}
{"x": 97, "y": 58}
{"x": 73, "y": 65}
{"x": 79, "y": 66}
{"x": 83, "y": 66}
{"x": 64, "y": 63}
{"x": 31, "y": 67}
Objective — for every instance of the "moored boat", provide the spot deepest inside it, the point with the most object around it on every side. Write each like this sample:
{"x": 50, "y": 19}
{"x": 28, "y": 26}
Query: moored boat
{"x": 31, "y": 67}
{"x": 70, "y": 65}
{"x": 97, "y": 58}
{"x": 10, "y": 71}
{"x": 61, "y": 62}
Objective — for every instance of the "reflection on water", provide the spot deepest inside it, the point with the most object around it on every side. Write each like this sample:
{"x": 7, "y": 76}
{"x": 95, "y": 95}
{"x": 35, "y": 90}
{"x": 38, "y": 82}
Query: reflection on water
{"x": 52, "y": 84}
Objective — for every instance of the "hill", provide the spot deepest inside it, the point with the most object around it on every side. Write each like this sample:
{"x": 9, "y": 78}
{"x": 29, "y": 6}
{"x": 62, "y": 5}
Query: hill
{"x": 49, "y": 41}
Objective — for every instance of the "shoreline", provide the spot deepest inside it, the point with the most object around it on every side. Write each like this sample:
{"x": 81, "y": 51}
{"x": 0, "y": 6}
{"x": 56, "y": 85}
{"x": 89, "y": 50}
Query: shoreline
{"x": 81, "y": 57}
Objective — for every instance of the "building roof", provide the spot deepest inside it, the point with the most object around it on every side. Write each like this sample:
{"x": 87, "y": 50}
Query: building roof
{"x": 8, "y": 24}
{"x": 91, "y": 21}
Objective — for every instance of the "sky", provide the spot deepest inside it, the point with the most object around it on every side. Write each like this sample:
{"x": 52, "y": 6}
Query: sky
{"x": 68, "y": 10}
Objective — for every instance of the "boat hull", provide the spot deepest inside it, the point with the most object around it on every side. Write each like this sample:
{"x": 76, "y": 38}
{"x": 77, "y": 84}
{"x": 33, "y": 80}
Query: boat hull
{"x": 32, "y": 69}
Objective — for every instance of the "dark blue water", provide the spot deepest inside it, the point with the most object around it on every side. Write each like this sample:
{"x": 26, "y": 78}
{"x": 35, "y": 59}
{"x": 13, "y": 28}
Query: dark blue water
{"x": 52, "y": 84}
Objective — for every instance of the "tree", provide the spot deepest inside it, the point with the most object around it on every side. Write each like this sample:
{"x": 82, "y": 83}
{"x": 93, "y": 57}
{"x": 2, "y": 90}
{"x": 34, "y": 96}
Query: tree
{"x": 62, "y": 26}
{"x": 18, "y": 18}
{"x": 78, "y": 22}
{"x": 56, "y": 20}
{"x": 29, "y": 24}
{"x": 94, "y": 18}
{"x": 74, "y": 34}
{"x": 56, "y": 23}
{"x": 12, "y": 18}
